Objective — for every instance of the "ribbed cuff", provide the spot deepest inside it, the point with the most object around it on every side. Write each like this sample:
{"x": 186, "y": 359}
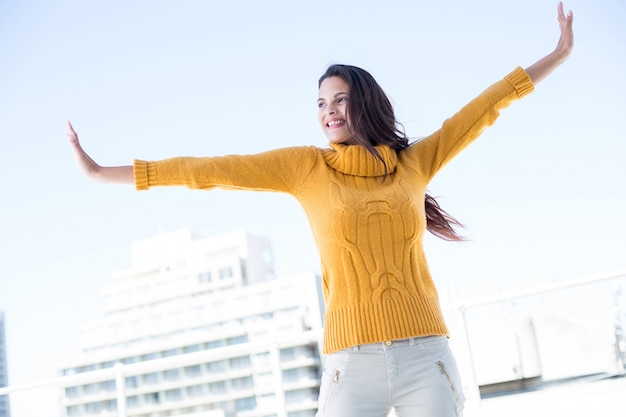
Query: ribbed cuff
{"x": 140, "y": 171}
{"x": 521, "y": 81}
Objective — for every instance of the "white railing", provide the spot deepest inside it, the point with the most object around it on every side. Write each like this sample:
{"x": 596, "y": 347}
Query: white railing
{"x": 463, "y": 308}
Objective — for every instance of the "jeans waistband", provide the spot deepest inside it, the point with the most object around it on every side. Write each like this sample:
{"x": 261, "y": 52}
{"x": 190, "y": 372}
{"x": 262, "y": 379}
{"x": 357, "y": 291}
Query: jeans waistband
{"x": 390, "y": 344}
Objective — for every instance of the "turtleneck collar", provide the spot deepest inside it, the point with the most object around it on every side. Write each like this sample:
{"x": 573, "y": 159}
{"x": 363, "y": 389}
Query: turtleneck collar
{"x": 358, "y": 161}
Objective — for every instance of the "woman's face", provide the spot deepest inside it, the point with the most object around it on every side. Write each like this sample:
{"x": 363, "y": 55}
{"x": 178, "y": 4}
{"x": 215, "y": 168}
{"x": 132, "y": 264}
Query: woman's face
{"x": 332, "y": 104}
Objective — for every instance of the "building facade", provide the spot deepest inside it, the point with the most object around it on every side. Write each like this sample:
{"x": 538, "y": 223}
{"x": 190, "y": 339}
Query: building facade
{"x": 4, "y": 378}
{"x": 203, "y": 328}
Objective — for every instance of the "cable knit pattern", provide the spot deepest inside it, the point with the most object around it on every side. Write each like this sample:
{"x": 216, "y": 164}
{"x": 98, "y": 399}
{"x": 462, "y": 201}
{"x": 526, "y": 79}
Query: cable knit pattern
{"x": 369, "y": 231}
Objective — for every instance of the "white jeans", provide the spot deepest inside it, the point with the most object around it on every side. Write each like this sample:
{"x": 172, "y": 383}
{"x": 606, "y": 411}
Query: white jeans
{"x": 418, "y": 377}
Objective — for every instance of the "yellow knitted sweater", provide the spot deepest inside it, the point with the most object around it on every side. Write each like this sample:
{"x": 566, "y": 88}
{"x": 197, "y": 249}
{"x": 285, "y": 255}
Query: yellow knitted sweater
{"x": 376, "y": 281}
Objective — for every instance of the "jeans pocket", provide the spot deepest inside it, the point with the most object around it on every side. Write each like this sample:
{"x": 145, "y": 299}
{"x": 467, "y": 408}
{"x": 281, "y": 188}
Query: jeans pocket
{"x": 450, "y": 372}
{"x": 440, "y": 353}
{"x": 334, "y": 366}
{"x": 328, "y": 390}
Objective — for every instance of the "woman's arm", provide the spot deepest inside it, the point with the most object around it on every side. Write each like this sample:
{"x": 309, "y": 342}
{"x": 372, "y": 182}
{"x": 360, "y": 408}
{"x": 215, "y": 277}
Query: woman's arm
{"x": 280, "y": 170}
{"x": 120, "y": 174}
{"x": 542, "y": 68}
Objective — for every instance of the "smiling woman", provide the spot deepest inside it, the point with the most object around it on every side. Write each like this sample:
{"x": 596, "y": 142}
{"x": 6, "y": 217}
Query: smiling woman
{"x": 366, "y": 202}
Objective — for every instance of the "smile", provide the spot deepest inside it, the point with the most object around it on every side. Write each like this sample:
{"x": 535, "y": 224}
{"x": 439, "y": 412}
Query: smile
{"x": 334, "y": 123}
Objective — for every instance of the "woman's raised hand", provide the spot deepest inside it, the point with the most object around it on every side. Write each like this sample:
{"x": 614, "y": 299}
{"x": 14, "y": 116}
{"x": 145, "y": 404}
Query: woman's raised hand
{"x": 120, "y": 174}
{"x": 542, "y": 68}
{"x": 566, "y": 41}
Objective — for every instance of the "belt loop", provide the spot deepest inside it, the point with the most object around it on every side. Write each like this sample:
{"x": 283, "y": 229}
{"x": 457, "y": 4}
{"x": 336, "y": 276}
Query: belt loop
{"x": 355, "y": 348}
{"x": 412, "y": 341}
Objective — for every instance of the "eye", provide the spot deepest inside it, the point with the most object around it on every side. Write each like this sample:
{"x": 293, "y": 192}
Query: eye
{"x": 321, "y": 104}
{"x": 342, "y": 100}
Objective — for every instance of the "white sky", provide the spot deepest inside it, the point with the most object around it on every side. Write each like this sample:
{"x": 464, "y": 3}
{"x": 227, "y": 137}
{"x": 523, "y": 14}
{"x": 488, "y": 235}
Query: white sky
{"x": 543, "y": 192}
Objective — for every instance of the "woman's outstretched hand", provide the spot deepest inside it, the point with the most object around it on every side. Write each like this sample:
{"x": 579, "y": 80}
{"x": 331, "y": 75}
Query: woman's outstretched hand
{"x": 566, "y": 41}
{"x": 86, "y": 165}
{"x": 542, "y": 68}
{"x": 89, "y": 167}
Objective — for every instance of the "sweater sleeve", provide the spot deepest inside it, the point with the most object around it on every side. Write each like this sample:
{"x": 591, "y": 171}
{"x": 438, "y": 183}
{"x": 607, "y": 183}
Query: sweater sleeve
{"x": 281, "y": 170}
{"x": 430, "y": 154}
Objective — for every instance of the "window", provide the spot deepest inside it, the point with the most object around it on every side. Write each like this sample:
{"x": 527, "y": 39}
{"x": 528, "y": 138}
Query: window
{"x": 152, "y": 398}
{"x": 300, "y": 395}
{"x": 72, "y": 392}
{"x": 88, "y": 368}
{"x": 132, "y": 402}
{"x": 151, "y": 378}
{"x": 169, "y": 352}
{"x": 149, "y": 356}
{"x": 218, "y": 387}
{"x": 93, "y": 408}
{"x": 288, "y": 354}
{"x": 291, "y": 375}
{"x": 192, "y": 348}
{"x": 217, "y": 366}
{"x": 204, "y": 277}
{"x": 132, "y": 359}
{"x": 215, "y": 344}
{"x": 242, "y": 383}
{"x": 92, "y": 388}
{"x": 244, "y": 404}
{"x": 173, "y": 394}
{"x": 132, "y": 382}
{"x": 193, "y": 371}
{"x": 239, "y": 362}
{"x": 107, "y": 386}
{"x": 171, "y": 374}
{"x": 195, "y": 391}
{"x": 237, "y": 340}
{"x": 244, "y": 272}
{"x": 226, "y": 272}
{"x": 227, "y": 406}
{"x": 73, "y": 410}
{"x": 109, "y": 405}
{"x": 302, "y": 413}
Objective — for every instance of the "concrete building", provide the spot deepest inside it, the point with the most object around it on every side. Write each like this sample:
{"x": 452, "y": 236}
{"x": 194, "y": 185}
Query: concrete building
{"x": 4, "y": 378}
{"x": 252, "y": 339}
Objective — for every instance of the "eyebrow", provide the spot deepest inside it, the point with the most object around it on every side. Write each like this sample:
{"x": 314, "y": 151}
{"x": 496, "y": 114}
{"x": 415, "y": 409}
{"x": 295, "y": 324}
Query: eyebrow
{"x": 335, "y": 96}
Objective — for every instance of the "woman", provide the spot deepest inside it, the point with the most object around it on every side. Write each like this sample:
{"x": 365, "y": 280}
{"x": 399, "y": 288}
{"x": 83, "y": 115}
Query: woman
{"x": 365, "y": 197}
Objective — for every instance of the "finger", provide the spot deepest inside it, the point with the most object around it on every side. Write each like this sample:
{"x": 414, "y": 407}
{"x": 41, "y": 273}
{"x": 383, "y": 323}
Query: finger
{"x": 560, "y": 13}
{"x": 71, "y": 133}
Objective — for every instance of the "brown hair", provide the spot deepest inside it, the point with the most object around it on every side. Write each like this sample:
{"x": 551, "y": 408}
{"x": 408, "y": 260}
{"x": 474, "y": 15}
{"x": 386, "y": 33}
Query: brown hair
{"x": 372, "y": 122}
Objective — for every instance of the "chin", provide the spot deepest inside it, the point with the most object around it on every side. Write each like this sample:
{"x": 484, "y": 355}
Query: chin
{"x": 341, "y": 141}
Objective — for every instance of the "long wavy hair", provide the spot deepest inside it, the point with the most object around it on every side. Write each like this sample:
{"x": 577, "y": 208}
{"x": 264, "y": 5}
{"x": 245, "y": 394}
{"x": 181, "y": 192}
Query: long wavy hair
{"x": 372, "y": 122}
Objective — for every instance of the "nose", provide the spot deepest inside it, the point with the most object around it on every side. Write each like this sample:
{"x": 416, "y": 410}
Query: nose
{"x": 330, "y": 109}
